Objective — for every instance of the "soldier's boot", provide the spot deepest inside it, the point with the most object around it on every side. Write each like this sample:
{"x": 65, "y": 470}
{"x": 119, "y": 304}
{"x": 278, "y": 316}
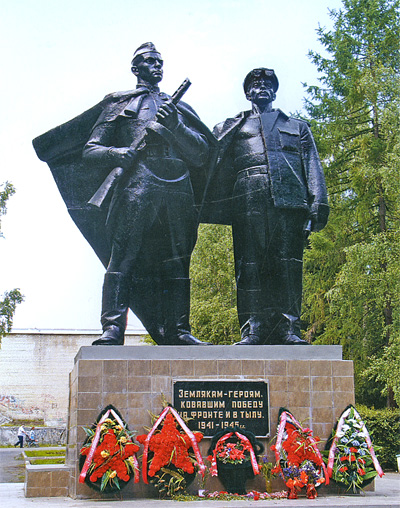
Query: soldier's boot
{"x": 114, "y": 310}
{"x": 177, "y": 311}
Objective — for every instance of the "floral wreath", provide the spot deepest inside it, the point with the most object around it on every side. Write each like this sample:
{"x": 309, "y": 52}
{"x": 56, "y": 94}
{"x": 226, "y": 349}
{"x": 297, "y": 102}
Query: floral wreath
{"x": 108, "y": 454}
{"x": 298, "y": 459}
{"x": 232, "y": 448}
{"x": 352, "y": 460}
{"x": 167, "y": 457}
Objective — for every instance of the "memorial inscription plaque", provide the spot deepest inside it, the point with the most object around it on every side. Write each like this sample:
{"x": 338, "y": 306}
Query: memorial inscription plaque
{"x": 211, "y": 406}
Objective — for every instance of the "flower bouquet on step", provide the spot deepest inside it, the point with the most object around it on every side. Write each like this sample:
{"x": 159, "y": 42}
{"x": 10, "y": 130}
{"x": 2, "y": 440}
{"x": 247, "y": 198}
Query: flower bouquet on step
{"x": 171, "y": 456}
{"x": 108, "y": 455}
{"x": 351, "y": 460}
{"x": 233, "y": 456}
{"x": 298, "y": 460}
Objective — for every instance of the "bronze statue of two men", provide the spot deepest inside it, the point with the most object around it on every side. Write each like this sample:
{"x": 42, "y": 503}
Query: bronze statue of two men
{"x": 159, "y": 171}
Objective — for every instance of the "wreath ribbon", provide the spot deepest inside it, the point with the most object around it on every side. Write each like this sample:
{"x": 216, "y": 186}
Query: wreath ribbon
{"x": 364, "y": 430}
{"x": 187, "y": 431}
{"x": 93, "y": 447}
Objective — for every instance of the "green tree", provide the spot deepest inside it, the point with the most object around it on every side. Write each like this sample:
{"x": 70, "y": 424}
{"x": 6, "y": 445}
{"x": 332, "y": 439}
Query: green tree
{"x": 10, "y": 299}
{"x": 352, "y": 269}
{"x": 213, "y": 302}
{"x": 6, "y": 191}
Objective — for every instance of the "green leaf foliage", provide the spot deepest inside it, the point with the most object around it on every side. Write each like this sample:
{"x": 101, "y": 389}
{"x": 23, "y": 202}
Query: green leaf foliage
{"x": 384, "y": 428}
{"x": 104, "y": 479}
{"x": 384, "y": 369}
{"x": 352, "y": 267}
{"x": 11, "y": 298}
{"x": 6, "y": 191}
{"x": 213, "y": 300}
{"x": 7, "y": 308}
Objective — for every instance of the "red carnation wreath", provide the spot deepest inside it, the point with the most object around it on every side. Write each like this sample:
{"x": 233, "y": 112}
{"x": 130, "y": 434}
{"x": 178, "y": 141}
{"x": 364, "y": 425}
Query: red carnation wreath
{"x": 108, "y": 455}
{"x": 171, "y": 455}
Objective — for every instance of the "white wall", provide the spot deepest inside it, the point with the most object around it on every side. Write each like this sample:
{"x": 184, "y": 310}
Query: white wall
{"x": 34, "y": 374}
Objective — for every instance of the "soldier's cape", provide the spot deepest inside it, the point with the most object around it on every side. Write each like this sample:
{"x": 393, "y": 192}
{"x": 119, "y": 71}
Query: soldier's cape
{"x": 77, "y": 181}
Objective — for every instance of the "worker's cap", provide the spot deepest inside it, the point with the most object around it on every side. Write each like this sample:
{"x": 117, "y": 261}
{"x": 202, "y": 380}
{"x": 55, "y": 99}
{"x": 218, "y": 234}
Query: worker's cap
{"x": 261, "y": 72}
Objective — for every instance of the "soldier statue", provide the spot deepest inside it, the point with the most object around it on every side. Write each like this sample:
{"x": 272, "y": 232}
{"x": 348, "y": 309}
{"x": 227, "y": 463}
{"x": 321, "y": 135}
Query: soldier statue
{"x": 154, "y": 150}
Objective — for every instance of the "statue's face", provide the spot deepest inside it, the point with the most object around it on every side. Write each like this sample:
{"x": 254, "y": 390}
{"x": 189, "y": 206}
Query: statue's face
{"x": 261, "y": 91}
{"x": 150, "y": 68}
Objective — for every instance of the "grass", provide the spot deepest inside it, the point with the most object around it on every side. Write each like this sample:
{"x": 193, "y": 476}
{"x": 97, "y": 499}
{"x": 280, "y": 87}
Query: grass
{"x": 45, "y": 453}
{"x": 36, "y": 462}
{"x": 43, "y": 456}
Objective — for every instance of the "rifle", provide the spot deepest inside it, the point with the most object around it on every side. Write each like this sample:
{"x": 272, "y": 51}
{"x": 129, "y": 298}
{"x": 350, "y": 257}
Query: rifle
{"x": 139, "y": 144}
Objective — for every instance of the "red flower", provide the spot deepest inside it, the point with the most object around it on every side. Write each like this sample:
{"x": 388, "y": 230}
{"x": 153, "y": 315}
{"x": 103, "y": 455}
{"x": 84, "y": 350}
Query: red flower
{"x": 303, "y": 477}
{"x": 110, "y": 455}
{"x": 343, "y": 469}
{"x": 170, "y": 447}
{"x": 129, "y": 450}
{"x": 233, "y": 451}
{"x": 299, "y": 447}
{"x": 361, "y": 472}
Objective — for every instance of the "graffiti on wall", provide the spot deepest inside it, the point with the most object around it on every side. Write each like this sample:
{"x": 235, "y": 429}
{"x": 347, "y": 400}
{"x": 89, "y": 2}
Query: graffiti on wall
{"x": 13, "y": 408}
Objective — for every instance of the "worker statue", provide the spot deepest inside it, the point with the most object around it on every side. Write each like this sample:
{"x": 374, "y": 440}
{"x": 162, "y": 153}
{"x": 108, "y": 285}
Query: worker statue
{"x": 270, "y": 186}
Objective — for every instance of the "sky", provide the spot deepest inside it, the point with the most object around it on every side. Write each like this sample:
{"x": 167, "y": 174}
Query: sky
{"x": 59, "y": 58}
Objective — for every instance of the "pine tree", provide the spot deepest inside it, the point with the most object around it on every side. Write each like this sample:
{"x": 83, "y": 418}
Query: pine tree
{"x": 352, "y": 269}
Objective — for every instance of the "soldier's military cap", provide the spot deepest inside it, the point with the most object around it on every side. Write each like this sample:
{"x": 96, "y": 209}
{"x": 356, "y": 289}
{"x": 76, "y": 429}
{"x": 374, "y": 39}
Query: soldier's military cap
{"x": 147, "y": 47}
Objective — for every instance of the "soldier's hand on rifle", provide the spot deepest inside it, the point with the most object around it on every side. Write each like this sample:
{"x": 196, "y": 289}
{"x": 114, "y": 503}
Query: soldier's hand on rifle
{"x": 167, "y": 115}
{"x": 123, "y": 157}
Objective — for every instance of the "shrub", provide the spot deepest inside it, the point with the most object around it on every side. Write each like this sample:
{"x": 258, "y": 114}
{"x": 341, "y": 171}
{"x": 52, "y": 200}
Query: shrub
{"x": 384, "y": 428}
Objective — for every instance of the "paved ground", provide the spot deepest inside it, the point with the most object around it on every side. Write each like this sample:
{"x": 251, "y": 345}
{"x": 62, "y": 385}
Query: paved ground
{"x": 386, "y": 495}
{"x": 12, "y": 466}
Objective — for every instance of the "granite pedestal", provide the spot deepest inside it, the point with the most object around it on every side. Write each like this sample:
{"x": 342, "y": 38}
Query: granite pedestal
{"x": 313, "y": 382}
